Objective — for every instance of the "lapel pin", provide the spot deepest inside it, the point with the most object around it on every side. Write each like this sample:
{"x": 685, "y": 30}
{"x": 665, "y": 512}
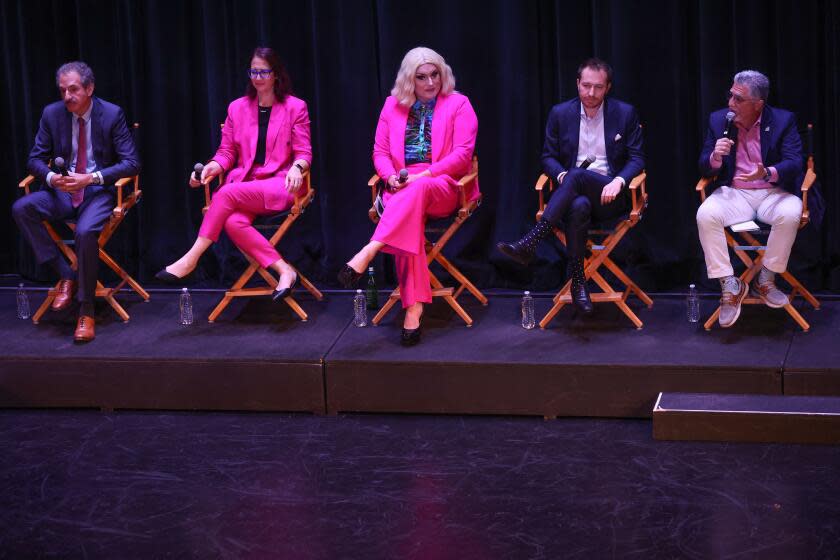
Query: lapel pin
{"x": 767, "y": 129}
{"x": 617, "y": 137}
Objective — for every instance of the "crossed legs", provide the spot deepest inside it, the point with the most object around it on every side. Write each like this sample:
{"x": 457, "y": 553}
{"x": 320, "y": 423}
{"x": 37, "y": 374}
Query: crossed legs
{"x": 400, "y": 232}
{"x": 233, "y": 209}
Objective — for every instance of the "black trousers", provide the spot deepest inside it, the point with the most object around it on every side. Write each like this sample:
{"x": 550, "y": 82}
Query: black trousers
{"x": 576, "y": 204}
{"x": 50, "y": 204}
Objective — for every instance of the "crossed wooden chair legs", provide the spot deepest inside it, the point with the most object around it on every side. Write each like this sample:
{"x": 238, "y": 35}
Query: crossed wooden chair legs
{"x": 600, "y": 257}
{"x": 753, "y": 266}
{"x": 101, "y": 291}
{"x": 450, "y": 295}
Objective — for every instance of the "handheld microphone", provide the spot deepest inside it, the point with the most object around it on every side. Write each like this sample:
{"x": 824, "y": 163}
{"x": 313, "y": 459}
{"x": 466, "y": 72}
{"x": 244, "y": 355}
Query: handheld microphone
{"x": 728, "y": 128}
{"x": 62, "y": 168}
{"x": 403, "y": 176}
{"x": 197, "y": 169}
{"x": 590, "y": 159}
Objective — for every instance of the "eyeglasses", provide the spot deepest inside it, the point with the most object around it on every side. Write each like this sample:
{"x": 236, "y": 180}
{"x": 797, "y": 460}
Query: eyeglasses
{"x": 738, "y": 99}
{"x": 259, "y": 73}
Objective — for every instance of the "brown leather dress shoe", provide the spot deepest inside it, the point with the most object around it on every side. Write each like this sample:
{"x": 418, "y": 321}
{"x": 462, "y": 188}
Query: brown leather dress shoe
{"x": 85, "y": 329}
{"x": 66, "y": 290}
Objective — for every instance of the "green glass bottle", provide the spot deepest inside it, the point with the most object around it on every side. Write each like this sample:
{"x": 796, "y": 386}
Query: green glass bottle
{"x": 371, "y": 293}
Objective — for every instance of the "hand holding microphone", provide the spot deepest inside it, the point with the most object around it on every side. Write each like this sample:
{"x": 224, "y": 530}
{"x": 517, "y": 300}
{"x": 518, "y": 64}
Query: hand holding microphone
{"x": 204, "y": 173}
{"x": 723, "y": 146}
{"x": 62, "y": 167}
{"x": 195, "y": 178}
{"x": 398, "y": 181}
{"x": 65, "y": 181}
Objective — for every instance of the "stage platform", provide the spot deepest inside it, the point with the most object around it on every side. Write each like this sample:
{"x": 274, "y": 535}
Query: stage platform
{"x": 259, "y": 356}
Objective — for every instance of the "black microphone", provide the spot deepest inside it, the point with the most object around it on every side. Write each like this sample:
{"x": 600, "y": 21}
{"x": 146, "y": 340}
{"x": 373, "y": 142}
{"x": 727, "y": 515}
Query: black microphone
{"x": 62, "y": 168}
{"x": 728, "y": 128}
{"x": 403, "y": 176}
{"x": 197, "y": 169}
{"x": 590, "y": 159}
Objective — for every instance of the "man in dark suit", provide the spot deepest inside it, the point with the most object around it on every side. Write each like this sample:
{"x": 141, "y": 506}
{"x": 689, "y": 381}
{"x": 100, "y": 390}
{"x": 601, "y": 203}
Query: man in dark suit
{"x": 592, "y": 150}
{"x": 91, "y": 136}
{"x": 757, "y": 162}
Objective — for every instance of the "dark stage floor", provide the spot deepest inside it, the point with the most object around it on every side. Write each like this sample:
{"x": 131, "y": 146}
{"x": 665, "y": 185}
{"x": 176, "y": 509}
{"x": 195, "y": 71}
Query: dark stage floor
{"x": 259, "y": 356}
{"x": 86, "y": 484}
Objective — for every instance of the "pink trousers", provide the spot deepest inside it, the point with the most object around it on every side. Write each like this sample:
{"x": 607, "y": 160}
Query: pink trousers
{"x": 401, "y": 230}
{"x": 234, "y": 207}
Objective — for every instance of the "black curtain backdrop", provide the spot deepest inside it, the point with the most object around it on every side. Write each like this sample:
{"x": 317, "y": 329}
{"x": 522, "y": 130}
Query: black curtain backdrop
{"x": 175, "y": 65}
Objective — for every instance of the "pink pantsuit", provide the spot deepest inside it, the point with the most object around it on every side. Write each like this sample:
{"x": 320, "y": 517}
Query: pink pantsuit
{"x": 454, "y": 128}
{"x": 251, "y": 189}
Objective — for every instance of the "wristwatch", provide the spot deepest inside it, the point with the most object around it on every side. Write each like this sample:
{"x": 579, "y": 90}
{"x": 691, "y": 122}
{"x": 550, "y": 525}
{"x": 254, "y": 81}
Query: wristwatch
{"x": 766, "y": 174}
{"x": 300, "y": 167}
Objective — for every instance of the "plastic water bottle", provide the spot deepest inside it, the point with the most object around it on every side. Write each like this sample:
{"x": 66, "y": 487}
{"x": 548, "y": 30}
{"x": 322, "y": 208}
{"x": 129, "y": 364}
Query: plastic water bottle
{"x": 22, "y": 303}
{"x": 359, "y": 309}
{"x": 528, "y": 321}
{"x": 186, "y": 307}
{"x": 693, "y": 304}
{"x": 371, "y": 293}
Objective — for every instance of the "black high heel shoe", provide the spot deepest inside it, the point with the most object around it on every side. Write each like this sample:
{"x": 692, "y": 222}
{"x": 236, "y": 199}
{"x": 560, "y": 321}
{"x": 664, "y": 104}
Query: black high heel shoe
{"x": 348, "y": 277}
{"x": 410, "y": 337}
{"x": 278, "y": 295}
{"x": 169, "y": 278}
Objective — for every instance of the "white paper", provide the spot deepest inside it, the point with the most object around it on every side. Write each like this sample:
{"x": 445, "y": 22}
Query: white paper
{"x": 745, "y": 226}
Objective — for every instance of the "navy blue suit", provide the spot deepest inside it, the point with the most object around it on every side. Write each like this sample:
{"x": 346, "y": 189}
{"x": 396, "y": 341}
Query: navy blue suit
{"x": 116, "y": 157}
{"x": 781, "y": 148}
{"x": 578, "y": 199}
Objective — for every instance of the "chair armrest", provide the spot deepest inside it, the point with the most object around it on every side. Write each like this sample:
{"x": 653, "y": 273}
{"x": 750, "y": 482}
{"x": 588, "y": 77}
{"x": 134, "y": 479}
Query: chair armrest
{"x": 462, "y": 187}
{"x": 542, "y": 180}
{"x": 372, "y": 183}
{"x": 807, "y": 183}
{"x": 208, "y": 189}
{"x": 638, "y": 196}
{"x": 26, "y": 182}
{"x": 120, "y": 184}
{"x": 303, "y": 194}
{"x": 701, "y": 186}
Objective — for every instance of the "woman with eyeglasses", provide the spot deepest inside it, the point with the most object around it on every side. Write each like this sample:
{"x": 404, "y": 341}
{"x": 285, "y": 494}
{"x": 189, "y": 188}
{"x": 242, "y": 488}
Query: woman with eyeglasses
{"x": 429, "y": 130}
{"x": 265, "y": 150}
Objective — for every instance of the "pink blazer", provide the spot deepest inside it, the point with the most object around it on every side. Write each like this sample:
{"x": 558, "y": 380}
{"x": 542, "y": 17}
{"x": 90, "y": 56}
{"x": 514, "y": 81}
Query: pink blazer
{"x": 454, "y": 128}
{"x": 287, "y": 140}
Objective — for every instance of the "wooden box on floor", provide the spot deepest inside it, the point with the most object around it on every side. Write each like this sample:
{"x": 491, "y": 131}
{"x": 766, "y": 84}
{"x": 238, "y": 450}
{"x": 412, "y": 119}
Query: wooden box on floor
{"x": 746, "y": 418}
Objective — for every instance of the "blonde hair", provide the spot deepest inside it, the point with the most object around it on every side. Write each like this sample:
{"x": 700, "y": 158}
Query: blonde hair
{"x": 403, "y": 88}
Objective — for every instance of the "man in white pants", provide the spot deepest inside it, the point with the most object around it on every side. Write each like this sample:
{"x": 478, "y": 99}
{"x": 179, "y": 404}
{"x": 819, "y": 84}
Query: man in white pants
{"x": 757, "y": 158}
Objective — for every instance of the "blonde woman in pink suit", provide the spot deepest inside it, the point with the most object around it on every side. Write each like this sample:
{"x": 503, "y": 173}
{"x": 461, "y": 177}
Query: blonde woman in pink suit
{"x": 428, "y": 129}
{"x": 265, "y": 150}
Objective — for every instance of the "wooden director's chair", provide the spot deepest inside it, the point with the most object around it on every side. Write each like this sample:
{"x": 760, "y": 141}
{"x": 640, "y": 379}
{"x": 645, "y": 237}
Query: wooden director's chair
{"x": 750, "y": 244}
{"x": 434, "y": 249}
{"x": 600, "y": 255}
{"x": 266, "y": 224}
{"x": 125, "y": 201}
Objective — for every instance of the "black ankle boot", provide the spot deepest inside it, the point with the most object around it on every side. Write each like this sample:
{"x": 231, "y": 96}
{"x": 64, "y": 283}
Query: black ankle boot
{"x": 580, "y": 293}
{"x": 523, "y": 251}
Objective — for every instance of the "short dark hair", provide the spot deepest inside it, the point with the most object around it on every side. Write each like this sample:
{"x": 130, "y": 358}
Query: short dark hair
{"x": 84, "y": 71}
{"x": 282, "y": 85}
{"x": 596, "y": 64}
